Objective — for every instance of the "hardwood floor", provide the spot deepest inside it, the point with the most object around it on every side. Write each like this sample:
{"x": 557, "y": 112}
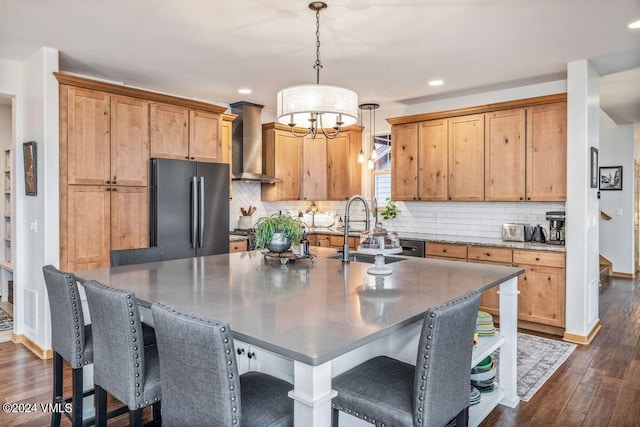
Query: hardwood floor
{"x": 599, "y": 385}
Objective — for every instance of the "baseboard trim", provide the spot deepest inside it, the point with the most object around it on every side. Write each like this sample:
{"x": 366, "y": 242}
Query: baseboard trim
{"x": 582, "y": 339}
{"x": 622, "y": 275}
{"x": 35, "y": 348}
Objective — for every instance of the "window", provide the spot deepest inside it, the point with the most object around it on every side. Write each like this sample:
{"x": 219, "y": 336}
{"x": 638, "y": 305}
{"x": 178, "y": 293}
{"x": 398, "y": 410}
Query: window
{"x": 381, "y": 173}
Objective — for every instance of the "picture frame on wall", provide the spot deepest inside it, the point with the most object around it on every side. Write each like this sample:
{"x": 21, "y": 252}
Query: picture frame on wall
{"x": 594, "y": 167}
{"x": 610, "y": 178}
{"x": 30, "y": 168}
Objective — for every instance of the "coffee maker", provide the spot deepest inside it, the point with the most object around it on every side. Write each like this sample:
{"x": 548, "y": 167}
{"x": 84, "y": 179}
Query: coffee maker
{"x": 556, "y": 227}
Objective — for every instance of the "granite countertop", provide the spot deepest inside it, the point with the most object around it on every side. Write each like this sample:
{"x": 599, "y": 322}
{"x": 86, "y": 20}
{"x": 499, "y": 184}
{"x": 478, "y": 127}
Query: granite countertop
{"x": 463, "y": 240}
{"x": 236, "y": 238}
{"x": 308, "y": 310}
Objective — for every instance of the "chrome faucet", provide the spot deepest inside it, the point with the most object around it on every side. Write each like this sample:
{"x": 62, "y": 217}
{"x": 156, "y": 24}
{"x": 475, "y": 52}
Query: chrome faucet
{"x": 367, "y": 226}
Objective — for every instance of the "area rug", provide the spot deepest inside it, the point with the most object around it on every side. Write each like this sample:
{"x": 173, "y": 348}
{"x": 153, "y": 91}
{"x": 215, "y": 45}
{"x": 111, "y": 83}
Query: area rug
{"x": 6, "y": 321}
{"x": 538, "y": 359}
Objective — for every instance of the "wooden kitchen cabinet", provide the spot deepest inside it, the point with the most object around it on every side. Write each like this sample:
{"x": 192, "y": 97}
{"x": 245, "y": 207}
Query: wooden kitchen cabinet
{"x": 446, "y": 251}
{"x": 433, "y": 153}
{"x": 88, "y": 129}
{"x": 129, "y": 141}
{"x": 344, "y": 173}
{"x": 105, "y": 136}
{"x": 542, "y": 295}
{"x": 108, "y": 140}
{"x": 282, "y": 158}
{"x": 183, "y": 134}
{"x": 205, "y": 137}
{"x": 466, "y": 158}
{"x": 547, "y": 152}
{"x": 504, "y": 155}
{"x": 404, "y": 162}
{"x": 169, "y": 127}
{"x": 100, "y": 218}
{"x": 237, "y": 246}
{"x": 314, "y": 168}
{"x": 323, "y": 240}
{"x": 490, "y": 254}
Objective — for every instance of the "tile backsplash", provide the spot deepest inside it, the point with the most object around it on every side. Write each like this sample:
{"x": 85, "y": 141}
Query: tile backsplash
{"x": 471, "y": 219}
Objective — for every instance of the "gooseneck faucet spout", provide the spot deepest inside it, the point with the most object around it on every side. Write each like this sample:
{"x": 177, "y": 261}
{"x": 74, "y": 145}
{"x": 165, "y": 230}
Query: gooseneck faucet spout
{"x": 347, "y": 221}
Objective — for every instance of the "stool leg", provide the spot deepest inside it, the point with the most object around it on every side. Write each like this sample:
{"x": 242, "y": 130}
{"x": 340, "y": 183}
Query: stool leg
{"x": 157, "y": 413}
{"x": 57, "y": 388}
{"x": 335, "y": 416}
{"x": 462, "y": 419}
{"x": 76, "y": 398}
{"x": 135, "y": 418}
{"x": 101, "y": 406}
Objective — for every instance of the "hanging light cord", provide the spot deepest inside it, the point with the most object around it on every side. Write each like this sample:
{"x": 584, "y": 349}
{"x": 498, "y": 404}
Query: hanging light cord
{"x": 318, "y": 64}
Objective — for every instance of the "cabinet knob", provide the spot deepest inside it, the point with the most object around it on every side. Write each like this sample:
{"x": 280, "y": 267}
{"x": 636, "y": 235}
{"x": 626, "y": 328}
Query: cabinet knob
{"x": 251, "y": 355}
{"x": 107, "y": 189}
{"x": 521, "y": 198}
{"x": 240, "y": 351}
{"x": 444, "y": 250}
{"x": 528, "y": 198}
{"x": 114, "y": 189}
{"x": 108, "y": 182}
{"x": 537, "y": 258}
{"x": 186, "y": 157}
{"x": 192, "y": 158}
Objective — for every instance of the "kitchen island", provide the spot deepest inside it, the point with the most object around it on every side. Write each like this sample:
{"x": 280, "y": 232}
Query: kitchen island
{"x": 322, "y": 316}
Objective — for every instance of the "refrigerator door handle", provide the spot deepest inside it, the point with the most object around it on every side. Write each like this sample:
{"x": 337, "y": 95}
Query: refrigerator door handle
{"x": 201, "y": 215}
{"x": 194, "y": 211}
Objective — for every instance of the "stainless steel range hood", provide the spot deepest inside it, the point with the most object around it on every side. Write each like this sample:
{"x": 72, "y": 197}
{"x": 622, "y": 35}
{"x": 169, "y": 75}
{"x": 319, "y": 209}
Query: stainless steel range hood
{"x": 247, "y": 144}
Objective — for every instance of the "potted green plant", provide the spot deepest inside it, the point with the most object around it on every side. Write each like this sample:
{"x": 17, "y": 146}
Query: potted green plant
{"x": 278, "y": 232}
{"x": 390, "y": 211}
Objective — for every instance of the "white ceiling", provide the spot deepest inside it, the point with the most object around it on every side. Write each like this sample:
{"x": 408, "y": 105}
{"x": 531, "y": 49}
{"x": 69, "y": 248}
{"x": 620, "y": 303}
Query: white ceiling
{"x": 385, "y": 50}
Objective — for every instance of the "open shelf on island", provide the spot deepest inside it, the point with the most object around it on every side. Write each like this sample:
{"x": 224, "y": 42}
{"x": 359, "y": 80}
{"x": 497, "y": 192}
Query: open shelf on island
{"x": 488, "y": 401}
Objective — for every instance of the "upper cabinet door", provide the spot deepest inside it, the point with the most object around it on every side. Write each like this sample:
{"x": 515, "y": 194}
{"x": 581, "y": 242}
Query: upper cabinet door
{"x": 504, "y": 155}
{"x": 129, "y": 141}
{"x": 547, "y": 152}
{"x": 466, "y": 158}
{"x": 88, "y": 158}
{"x": 282, "y": 158}
{"x": 314, "y": 168}
{"x": 338, "y": 167}
{"x": 433, "y": 137}
{"x": 404, "y": 162}
{"x": 169, "y": 131}
{"x": 205, "y": 137}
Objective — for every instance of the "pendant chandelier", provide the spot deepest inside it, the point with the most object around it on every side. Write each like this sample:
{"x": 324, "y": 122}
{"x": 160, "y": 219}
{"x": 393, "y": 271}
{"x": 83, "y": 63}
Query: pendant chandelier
{"x": 371, "y": 107}
{"x": 315, "y": 106}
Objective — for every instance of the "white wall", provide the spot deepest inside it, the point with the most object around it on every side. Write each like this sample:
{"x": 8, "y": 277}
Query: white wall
{"x": 36, "y": 235}
{"x": 616, "y": 235}
{"x": 582, "y": 226}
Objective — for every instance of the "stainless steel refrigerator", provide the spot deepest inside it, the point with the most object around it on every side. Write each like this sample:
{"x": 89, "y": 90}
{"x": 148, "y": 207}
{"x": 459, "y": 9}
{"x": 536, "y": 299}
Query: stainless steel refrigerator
{"x": 189, "y": 208}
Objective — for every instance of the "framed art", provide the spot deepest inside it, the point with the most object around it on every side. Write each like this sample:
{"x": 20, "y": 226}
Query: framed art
{"x": 30, "y": 168}
{"x": 611, "y": 178}
{"x": 594, "y": 167}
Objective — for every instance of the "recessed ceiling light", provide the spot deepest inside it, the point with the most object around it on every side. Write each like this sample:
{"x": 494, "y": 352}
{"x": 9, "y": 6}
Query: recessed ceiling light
{"x": 244, "y": 91}
{"x": 435, "y": 82}
{"x": 635, "y": 25}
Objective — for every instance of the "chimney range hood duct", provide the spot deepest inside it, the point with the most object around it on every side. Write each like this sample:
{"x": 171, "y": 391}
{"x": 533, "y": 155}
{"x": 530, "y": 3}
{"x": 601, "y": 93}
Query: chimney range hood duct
{"x": 247, "y": 144}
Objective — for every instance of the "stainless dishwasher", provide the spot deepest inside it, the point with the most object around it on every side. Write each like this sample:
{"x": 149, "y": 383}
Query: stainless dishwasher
{"x": 412, "y": 247}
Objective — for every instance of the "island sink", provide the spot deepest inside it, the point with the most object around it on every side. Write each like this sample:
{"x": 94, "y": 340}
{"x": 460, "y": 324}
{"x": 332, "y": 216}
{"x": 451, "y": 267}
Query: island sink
{"x": 370, "y": 259}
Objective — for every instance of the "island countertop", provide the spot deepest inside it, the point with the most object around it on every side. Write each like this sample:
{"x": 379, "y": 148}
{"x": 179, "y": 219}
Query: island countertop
{"x": 308, "y": 310}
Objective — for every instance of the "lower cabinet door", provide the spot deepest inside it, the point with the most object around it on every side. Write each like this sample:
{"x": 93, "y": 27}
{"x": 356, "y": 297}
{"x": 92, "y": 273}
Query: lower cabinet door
{"x": 129, "y": 217}
{"x": 542, "y": 295}
{"x": 88, "y": 225}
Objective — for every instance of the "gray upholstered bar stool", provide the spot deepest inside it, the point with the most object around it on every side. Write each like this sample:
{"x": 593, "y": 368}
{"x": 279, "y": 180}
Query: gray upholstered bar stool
{"x": 70, "y": 341}
{"x": 123, "y": 366}
{"x": 120, "y": 257}
{"x": 387, "y": 392}
{"x": 200, "y": 381}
